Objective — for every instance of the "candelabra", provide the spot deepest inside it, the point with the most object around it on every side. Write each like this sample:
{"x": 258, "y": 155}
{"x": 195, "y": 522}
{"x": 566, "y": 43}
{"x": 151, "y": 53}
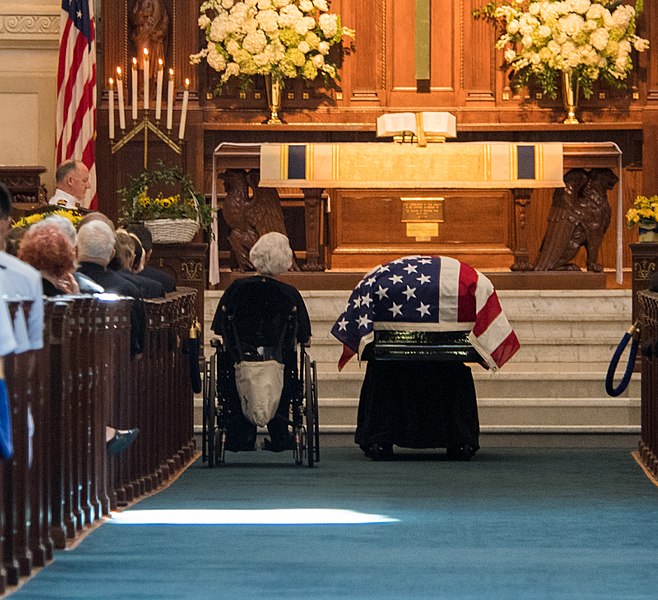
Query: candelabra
{"x": 146, "y": 124}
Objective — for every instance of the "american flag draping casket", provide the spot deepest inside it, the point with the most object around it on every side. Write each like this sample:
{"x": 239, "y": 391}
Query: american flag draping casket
{"x": 427, "y": 293}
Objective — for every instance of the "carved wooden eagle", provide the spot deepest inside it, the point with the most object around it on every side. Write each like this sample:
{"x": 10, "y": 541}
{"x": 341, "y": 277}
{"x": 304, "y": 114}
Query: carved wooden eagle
{"x": 249, "y": 211}
{"x": 579, "y": 216}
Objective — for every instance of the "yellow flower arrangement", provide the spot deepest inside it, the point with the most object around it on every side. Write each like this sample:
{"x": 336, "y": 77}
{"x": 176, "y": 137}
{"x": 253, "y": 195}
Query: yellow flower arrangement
{"x": 141, "y": 204}
{"x": 644, "y": 212}
{"x": 72, "y": 215}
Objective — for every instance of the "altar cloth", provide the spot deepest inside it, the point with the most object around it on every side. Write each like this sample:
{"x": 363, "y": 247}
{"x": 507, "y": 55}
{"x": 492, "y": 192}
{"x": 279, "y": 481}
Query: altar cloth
{"x": 492, "y": 165}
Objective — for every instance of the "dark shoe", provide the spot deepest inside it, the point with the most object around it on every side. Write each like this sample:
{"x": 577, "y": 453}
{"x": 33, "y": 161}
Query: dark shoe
{"x": 379, "y": 452}
{"x": 279, "y": 445}
{"x": 121, "y": 440}
{"x": 462, "y": 453}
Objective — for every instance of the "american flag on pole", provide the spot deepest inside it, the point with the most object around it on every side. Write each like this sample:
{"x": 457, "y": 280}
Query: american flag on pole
{"x": 426, "y": 293}
{"x": 76, "y": 88}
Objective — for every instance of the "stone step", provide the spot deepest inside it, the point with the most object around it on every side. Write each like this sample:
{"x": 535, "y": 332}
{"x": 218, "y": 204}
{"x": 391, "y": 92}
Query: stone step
{"x": 555, "y": 383}
{"x": 518, "y": 413}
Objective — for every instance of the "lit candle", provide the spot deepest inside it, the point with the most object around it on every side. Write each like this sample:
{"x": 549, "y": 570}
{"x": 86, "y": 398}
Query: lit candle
{"x": 146, "y": 78}
{"x": 170, "y": 100}
{"x": 111, "y": 109}
{"x": 122, "y": 107}
{"x": 158, "y": 91}
{"x": 134, "y": 90}
{"x": 183, "y": 112}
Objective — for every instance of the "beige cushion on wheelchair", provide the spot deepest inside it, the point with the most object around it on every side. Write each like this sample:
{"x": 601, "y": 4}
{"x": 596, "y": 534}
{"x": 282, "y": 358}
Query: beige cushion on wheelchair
{"x": 259, "y": 385}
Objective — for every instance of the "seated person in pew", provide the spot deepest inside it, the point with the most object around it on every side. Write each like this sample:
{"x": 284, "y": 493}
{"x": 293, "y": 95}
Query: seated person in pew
{"x": 47, "y": 249}
{"x": 96, "y": 247}
{"x": 428, "y": 403}
{"x": 122, "y": 263}
{"x": 142, "y": 233}
{"x": 271, "y": 255}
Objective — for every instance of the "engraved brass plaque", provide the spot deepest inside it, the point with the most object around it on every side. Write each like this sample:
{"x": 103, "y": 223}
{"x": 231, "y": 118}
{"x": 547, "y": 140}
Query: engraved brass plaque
{"x": 422, "y": 210}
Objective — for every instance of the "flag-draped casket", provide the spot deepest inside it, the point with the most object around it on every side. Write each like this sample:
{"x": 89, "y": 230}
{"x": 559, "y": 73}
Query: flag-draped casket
{"x": 422, "y": 404}
{"x": 425, "y": 293}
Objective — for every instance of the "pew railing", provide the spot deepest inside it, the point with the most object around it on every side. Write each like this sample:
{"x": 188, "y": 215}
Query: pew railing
{"x": 648, "y": 317}
{"x": 60, "y": 481}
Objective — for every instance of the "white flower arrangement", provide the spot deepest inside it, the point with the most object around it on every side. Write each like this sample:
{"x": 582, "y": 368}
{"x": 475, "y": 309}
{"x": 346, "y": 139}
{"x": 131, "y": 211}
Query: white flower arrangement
{"x": 591, "y": 39}
{"x": 282, "y": 38}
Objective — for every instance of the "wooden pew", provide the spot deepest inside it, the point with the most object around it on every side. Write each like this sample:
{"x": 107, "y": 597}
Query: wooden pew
{"x": 60, "y": 481}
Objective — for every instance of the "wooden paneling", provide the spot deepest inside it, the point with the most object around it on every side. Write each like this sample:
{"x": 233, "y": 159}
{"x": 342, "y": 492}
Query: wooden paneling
{"x": 367, "y": 227}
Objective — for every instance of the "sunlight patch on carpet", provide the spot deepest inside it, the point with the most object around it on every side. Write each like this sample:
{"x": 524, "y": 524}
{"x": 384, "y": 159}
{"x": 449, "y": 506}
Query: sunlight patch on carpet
{"x": 276, "y": 516}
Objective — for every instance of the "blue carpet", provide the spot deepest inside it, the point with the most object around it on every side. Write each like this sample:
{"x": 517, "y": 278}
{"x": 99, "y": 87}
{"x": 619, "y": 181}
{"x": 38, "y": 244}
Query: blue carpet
{"x": 510, "y": 524}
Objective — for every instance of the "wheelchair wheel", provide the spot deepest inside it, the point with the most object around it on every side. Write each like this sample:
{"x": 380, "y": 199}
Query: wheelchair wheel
{"x": 210, "y": 429}
{"x": 310, "y": 408}
{"x": 206, "y": 400}
{"x": 300, "y": 451}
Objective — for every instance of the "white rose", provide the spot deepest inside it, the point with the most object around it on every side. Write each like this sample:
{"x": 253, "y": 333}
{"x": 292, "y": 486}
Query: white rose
{"x": 581, "y": 6}
{"x": 510, "y": 55}
{"x": 318, "y": 60}
{"x": 545, "y": 31}
{"x": 304, "y": 47}
{"x": 204, "y": 21}
{"x": 328, "y": 24}
{"x": 513, "y": 27}
{"x": 640, "y": 44}
{"x": 321, "y": 5}
{"x": 599, "y": 38}
{"x": 324, "y": 47}
{"x": 595, "y": 11}
{"x": 215, "y": 59}
{"x": 305, "y": 5}
{"x": 228, "y": 3}
{"x": 268, "y": 20}
{"x": 254, "y": 42}
{"x": 264, "y": 4}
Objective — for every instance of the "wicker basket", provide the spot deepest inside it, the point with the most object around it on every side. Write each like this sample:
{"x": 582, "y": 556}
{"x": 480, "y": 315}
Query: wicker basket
{"x": 172, "y": 231}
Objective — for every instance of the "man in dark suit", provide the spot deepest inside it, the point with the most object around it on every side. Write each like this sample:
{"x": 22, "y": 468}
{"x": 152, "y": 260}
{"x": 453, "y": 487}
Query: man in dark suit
{"x": 142, "y": 233}
{"x": 96, "y": 242}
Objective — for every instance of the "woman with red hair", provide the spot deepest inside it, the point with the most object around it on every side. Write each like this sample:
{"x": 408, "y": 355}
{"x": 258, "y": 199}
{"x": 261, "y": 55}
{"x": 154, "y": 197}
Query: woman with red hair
{"x": 49, "y": 251}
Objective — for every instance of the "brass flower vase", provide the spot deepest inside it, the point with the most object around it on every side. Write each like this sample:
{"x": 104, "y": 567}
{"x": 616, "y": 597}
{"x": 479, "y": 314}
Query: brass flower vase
{"x": 570, "y": 91}
{"x": 274, "y": 87}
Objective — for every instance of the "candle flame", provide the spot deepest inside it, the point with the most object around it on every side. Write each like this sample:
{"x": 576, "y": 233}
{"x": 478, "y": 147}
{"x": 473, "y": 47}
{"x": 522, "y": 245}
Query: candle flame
{"x": 111, "y": 82}
{"x": 118, "y": 72}
{"x": 171, "y": 72}
{"x": 187, "y": 82}
{"x": 146, "y": 51}
{"x": 160, "y": 63}
{"x": 134, "y": 61}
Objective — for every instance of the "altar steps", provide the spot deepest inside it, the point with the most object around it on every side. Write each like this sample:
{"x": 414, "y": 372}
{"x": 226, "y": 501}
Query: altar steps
{"x": 554, "y": 385}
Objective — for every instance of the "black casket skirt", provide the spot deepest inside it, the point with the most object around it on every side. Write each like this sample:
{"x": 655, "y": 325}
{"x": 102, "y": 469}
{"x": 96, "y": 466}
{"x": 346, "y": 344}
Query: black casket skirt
{"x": 418, "y": 404}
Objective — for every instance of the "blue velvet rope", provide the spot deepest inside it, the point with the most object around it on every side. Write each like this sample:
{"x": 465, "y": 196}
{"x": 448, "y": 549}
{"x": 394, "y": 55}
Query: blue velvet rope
{"x": 612, "y": 368}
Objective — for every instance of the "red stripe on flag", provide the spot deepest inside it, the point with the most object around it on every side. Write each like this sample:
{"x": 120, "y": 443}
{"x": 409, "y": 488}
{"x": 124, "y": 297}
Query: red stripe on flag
{"x": 76, "y": 90}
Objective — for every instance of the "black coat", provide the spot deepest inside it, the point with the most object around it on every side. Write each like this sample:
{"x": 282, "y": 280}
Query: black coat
{"x": 114, "y": 283}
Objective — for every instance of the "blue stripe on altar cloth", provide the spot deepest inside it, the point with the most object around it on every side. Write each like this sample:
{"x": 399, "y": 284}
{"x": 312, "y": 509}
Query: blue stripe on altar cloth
{"x": 297, "y": 161}
{"x": 526, "y": 162}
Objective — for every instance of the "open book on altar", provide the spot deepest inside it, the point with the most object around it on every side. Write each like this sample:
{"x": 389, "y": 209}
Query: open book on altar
{"x": 418, "y": 127}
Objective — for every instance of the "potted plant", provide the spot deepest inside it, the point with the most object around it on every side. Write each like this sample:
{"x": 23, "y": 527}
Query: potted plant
{"x": 167, "y": 203}
{"x": 644, "y": 214}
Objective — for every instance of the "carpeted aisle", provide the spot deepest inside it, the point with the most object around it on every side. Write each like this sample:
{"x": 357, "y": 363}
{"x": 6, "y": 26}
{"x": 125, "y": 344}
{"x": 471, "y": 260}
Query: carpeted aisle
{"x": 510, "y": 524}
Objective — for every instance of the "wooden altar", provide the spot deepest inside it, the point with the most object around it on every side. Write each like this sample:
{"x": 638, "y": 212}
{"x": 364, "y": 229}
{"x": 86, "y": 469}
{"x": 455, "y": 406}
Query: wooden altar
{"x": 480, "y": 218}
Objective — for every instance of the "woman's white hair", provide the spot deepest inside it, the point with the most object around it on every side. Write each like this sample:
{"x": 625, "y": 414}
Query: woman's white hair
{"x": 271, "y": 254}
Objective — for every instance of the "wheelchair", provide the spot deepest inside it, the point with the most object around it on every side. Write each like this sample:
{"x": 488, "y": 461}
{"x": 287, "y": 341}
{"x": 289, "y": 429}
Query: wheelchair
{"x": 260, "y": 323}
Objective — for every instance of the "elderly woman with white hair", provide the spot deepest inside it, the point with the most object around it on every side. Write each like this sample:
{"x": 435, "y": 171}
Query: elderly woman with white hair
{"x": 271, "y": 256}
